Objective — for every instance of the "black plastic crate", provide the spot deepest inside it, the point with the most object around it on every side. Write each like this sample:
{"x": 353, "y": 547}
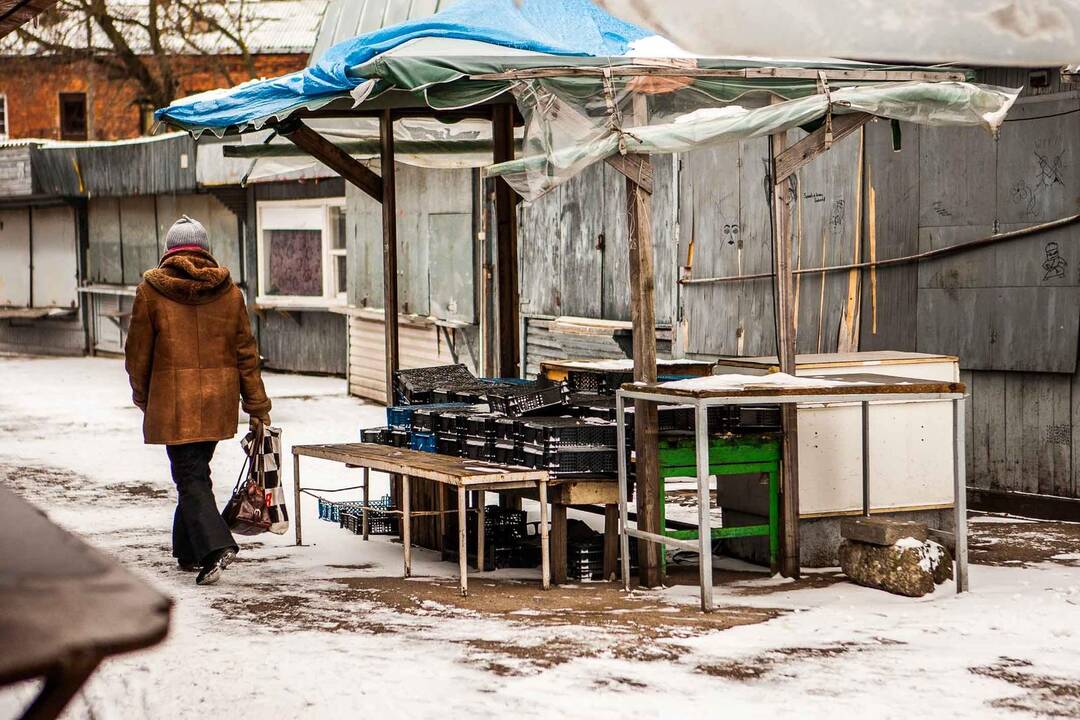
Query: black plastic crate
{"x": 479, "y": 425}
{"x": 416, "y": 385}
{"x": 478, "y": 449}
{"x": 568, "y": 431}
{"x": 448, "y": 446}
{"x": 506, "y": 429}
{"x": 380, "y": 522}
{"x": 563, "y": 461}
{"x": 602, "y": 382}
{"x": 508, "y": 452}
{"x": 521, "y": 400}
{"x": 378, "y": 435}
{"x": 398, "y": 438}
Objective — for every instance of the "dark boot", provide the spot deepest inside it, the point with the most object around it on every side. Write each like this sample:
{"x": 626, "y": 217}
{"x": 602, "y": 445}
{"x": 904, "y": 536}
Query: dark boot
{"x": 214, "y": 566}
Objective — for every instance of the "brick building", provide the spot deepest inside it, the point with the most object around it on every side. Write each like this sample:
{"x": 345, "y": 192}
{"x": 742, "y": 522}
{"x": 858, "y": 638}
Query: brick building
{"x": 57, "y": 95}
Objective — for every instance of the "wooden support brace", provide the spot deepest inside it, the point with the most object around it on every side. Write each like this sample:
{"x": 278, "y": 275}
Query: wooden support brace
{"x": 332, "y": 156}
{"x": 788, "y": 161}
{"x": 502, "y": 129}
{"x": 641, "y": 174}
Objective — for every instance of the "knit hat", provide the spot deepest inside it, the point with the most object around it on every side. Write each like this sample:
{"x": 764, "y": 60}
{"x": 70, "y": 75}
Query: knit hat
{"x": 186, "y": 234}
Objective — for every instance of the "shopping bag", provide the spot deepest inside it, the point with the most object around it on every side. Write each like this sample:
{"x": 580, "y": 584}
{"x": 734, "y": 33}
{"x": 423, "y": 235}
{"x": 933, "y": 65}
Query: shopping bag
{"x": 257, "y": 504}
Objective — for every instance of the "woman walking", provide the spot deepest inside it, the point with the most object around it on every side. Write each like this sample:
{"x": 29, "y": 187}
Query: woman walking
{"x": 191, "y": 359}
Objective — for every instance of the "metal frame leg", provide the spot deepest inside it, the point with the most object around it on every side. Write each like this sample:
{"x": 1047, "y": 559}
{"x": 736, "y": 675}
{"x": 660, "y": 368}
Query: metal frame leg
{"x": 865, "y": 459}
{"x": 960, "y": 497}
{"x": 61, "y": 685}
{"x": 406, "y": 525}
{"x": 624, "y": 538}
{"x": 481, "y": 519}
{"x": 463, "y": 549}
{"x": 296, "y": 496}
{"x": 545, "y": 551}
{"x": 367, "y": 484}
{"x": 701, "y": 449}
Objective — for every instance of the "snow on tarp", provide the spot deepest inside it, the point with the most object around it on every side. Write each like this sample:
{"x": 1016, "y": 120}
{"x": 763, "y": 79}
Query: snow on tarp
{"x": 550, "y": 27}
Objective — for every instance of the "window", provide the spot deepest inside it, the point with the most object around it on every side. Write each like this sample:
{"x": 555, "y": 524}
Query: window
{"x": 302, "y": 252}
{"x": 3, "y": 118}
{"x": 72, "y": 116}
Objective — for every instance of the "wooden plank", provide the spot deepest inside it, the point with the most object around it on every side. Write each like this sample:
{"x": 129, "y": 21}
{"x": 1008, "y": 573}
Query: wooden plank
{"x": 509, "y": 301}
{"x": 558, "y": 543}
{"x": 585, "y": 492}
{"x": 801, "y": 153}
{"x": 388, "y": 195}
{"x": 1013, "y": 478}
{"x": 784, "y": 293}
{"x": 332, "y": 156}
{"x": 1059, "y": 433}
{"x": 429, "y": 466}
{"x": 638, "y": 173}
{"x": 1038, "y": 165}
{"x": 854, "y": 385}
{"x": 643, "y": 317}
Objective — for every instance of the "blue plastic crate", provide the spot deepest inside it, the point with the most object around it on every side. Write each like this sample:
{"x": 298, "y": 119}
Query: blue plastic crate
{"x": 400, "y": 416}
{"x": 331, "y": 510}
{"x": 423, "y": 441}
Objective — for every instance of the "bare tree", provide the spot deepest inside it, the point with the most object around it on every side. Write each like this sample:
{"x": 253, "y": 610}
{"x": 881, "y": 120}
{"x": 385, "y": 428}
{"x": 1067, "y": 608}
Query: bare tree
{"x": 142, "y": 39}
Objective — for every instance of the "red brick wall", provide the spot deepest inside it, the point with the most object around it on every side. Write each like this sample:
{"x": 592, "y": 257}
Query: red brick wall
{"x": 33, "y": 85}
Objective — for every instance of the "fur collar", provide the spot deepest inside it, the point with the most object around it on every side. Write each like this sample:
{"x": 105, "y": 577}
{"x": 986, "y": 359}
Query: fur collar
{"x": 191, "y": 277}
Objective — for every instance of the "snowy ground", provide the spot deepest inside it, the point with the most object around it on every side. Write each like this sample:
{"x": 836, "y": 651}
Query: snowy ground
{"x": 330, "y": 629}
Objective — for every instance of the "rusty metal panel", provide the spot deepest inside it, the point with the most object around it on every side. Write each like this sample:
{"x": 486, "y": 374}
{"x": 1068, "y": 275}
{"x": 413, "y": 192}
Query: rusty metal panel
{"x": 105, "y": 262}
{"x": 1039, "y": 162}
{"x": 55, "y": 263}
{"x": 15, "y": 257}
{"x": 138, "y": 236}
{"x": 452, "y": 267}
{"x": 956, "y": 168}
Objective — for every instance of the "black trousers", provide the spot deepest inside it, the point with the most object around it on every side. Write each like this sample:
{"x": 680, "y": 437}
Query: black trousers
{"x": 198, "y": 528}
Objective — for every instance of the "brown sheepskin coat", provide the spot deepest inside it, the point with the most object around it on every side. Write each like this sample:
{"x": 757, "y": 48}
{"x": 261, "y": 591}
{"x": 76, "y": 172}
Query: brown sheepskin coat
{"x": 191, "y": 356}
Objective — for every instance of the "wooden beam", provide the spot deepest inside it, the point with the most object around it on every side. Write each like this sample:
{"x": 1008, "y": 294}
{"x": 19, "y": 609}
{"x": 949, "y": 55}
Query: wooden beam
{"x": 790, "y": 160}
{"x": 506, "y": 261}
{"x": 631, "y": 169}
{"x": 784, "y": 292}
{"x": 333, "y": 157}
{"x": 643, "y": 319}
{"x": 388, "y": 197}
{"x": 680, "y": 68}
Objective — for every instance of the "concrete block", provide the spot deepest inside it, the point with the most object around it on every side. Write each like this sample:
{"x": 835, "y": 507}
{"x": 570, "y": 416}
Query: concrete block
{"x": 881, "y": 531}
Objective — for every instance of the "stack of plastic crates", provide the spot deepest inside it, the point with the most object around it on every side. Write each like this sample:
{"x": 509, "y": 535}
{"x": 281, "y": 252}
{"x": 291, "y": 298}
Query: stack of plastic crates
{"x": 569, "y": 446}
{"x": 417, "y": 385}
{"x": 505, "y": 531}
{"x": 380, "y": 521}
{"x": 331, "y": 510}
{"x": 531, "y": 399}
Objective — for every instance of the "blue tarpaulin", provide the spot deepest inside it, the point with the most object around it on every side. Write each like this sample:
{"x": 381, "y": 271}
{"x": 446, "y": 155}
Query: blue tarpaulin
{"x": 553, "y": 27}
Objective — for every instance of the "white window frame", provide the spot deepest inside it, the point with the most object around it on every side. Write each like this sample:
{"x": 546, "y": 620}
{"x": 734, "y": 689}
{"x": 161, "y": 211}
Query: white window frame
{"x": 6, "y": 116}
{"x": 330, "y": 297}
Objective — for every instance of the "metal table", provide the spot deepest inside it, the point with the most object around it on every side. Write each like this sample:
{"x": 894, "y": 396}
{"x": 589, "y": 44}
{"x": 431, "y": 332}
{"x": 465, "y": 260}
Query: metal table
{"x": 64, "y": 607}
{"x": 862, "y": 389}
{"x": 461, "y": 473}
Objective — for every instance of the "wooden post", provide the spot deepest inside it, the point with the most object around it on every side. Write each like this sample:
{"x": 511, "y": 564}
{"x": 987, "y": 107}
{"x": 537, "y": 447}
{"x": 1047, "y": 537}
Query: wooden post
{"x": 506, "y": 268}
{"x": 558, "y": 543}
{"x": 643, "y": 317}
{"x": 784, "y": 291}
{"x": 611, "y": 541}
{"x": 390, "y": 272}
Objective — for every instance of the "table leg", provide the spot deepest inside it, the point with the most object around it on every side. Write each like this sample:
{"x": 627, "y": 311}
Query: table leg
{"x": 545, "y": 551}
{"x": 440, "y": 504}
{"x": 701, "y": 447}
{"x": 611, "y": 540}
{"x": 620, "y": 442}
{"x": 865, "y": 459}
{"x": 463, "y": 548}
{"x": 406, "y": 530}
{"x": 61, "y": 684}
{"x": 481, "y": 519}
{"x": 960, "y": 497}
{"x": 367, "y": 500}
{"x": 558, "y": 543}
{"x": 296, "y": 495}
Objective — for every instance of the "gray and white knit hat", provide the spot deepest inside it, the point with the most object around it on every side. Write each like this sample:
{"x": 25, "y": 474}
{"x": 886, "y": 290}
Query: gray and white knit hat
{"x": 186, "y": 234}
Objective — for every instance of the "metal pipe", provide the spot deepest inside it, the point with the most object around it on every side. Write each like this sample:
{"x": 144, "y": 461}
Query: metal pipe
{"x": 940, "y": 252}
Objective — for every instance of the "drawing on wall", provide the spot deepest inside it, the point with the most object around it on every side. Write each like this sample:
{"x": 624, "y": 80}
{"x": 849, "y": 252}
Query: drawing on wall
{"x": 940, "y": 209}
{"x": 731, "y": 233}
{"x": 1049, "y": 169}
{"x": 837, "y": 219}
{"x": 1054, "y": 265}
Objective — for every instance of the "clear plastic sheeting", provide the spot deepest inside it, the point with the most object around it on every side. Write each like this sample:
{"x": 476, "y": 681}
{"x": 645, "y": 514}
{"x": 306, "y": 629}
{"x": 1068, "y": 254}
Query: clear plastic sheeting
{"x": 573, "y": 122}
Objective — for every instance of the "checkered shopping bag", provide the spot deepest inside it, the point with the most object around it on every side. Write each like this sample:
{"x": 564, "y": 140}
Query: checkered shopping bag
{"x": 258, "y": 501}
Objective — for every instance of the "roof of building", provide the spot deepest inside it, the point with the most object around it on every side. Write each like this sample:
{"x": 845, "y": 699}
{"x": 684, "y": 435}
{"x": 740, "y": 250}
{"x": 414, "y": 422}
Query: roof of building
{"x": 14, "y": 13}
{"x": 264, "y": 26}
{"x": 347, "y": 19}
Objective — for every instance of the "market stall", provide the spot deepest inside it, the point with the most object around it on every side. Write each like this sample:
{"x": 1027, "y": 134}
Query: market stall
{"x": 586, "y": 87}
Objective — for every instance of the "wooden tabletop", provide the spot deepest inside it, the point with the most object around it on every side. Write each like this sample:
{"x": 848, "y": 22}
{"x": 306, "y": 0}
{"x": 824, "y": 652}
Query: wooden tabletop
{"x": 854, "y": 384}
{"x": 59, "y": 597}
{"x": 445, "y": 469}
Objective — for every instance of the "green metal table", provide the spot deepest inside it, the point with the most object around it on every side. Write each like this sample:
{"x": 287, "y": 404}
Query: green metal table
{"x": 728, "y": 455}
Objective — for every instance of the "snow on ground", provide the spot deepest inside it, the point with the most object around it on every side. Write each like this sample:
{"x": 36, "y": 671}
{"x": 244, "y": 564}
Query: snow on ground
{"x": 331, "y": 630}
